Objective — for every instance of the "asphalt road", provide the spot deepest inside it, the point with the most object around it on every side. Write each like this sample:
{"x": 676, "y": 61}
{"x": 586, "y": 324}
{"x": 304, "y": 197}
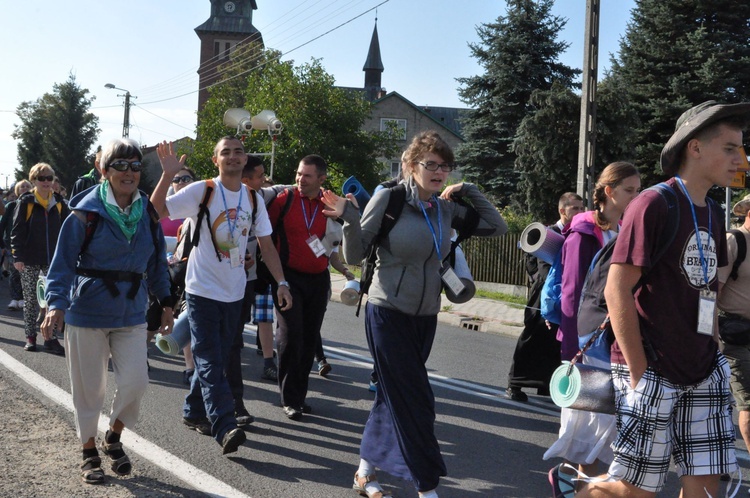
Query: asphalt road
{"x": 492, "y": 446}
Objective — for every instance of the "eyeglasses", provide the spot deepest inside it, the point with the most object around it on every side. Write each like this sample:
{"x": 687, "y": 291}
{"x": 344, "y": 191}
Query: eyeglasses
{"x": 182, "y": 179}
{"x": 41, "y": 178}
{"x": 122, "y": 165}
{"x": 433, "y": 166}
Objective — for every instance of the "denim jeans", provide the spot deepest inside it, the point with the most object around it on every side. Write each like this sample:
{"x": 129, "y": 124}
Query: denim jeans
{"x": 213, "y": 325}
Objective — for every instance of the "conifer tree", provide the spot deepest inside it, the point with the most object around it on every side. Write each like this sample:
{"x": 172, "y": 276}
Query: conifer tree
{"x": 519, "y": 53}
{"x": 676, "y": 54}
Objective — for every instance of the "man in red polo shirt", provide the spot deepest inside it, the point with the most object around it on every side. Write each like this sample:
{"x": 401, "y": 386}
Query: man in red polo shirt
{"x": 299, "y": 227}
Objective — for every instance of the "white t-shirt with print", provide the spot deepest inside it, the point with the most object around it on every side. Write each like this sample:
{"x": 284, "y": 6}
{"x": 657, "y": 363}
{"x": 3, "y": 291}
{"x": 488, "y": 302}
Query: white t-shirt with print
{"x": 230, "y": 220}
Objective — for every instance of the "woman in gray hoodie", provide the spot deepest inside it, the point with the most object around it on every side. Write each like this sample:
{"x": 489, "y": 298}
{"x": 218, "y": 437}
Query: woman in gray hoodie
{"x": 402, "y": 307}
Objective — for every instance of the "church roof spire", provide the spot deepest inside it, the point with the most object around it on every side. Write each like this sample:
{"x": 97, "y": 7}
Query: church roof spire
{"x": 374, "y": 62}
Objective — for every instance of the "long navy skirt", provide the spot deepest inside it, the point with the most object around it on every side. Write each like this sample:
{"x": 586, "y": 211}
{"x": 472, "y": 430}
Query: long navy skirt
{"x": 399, "y": 435}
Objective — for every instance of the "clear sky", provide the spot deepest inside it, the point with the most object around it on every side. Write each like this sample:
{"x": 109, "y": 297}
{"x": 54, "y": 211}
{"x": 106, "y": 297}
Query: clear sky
{"x": 149, "y": 48}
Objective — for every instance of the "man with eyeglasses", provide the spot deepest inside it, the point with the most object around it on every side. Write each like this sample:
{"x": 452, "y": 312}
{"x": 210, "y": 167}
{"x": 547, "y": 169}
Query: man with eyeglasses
{"x": 215, "y": 280}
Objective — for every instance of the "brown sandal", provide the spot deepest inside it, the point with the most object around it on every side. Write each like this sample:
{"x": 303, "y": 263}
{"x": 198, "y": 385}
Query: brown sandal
{"x": 91, "y": 471}
{"x": 361, "y": 482}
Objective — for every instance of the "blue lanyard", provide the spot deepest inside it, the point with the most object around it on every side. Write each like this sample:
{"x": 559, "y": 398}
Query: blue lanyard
{"x": 308, "y": 223}
{"x": 704, "y": 261}
{"x": 435, "y": 239}
{"x": 231, "y": 226}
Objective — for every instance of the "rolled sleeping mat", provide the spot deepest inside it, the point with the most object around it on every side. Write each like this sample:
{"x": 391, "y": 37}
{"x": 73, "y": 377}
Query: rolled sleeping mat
{"x": 173, "y": 343}
{"x": 583, "y": 387}
{"x": 350, "y": 293}
{"x": 542, "y": 242}
{"x": 41, "y": 285}
{"x": 352, "y": 186}
{"x": 464, "y": 273}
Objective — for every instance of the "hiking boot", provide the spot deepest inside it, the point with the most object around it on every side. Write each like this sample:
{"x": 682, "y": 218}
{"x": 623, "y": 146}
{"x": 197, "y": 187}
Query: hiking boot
{"x": 53, "y": 346}
{"x": 516, "y": 394}
{"x": 30, "y": 344}
{"x": 199, "y": 425}
{"x": 324, "y": 368}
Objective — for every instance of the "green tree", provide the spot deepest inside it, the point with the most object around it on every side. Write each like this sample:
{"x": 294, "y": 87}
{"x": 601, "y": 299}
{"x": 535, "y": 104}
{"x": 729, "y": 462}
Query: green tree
{"x": 318, "y": 118}
{"x": 676, "y": 54}
{"x": 57, "y": 129}
{"x": 546, "y": 150}
{"x": 519, "y": 53}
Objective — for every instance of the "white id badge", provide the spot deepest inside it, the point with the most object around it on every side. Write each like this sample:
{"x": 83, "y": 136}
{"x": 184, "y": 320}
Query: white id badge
{"x": 706, "y": 310}
{"x": 451, "y": 280}
{"x": 316, "y": 246}
{"x": 234, "y": 257}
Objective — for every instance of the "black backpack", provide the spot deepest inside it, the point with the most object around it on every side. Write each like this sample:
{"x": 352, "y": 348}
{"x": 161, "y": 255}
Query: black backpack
{"x": 592, "y": 308}
{"x": 741, "y": 252}
{"x": 392, "y": 212}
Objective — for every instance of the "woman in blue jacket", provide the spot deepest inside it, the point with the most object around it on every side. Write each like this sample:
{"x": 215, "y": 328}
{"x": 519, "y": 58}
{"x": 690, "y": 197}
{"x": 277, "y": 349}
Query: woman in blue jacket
{"x": 109, "y": 252}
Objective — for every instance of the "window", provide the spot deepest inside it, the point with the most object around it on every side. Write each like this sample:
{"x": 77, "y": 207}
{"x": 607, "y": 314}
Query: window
{"x": 396, "y": 126}
{"x": 223, "y": 48}
{"x": 395, "y": 168}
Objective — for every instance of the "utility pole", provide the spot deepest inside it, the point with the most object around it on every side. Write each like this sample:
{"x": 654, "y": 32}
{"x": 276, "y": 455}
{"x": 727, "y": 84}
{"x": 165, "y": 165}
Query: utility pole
{"x": 587, "y": 134}
{"x": 126, "y": 118}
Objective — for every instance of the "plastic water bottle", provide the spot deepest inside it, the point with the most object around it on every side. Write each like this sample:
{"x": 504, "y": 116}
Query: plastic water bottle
{"x": 170, "y": 258}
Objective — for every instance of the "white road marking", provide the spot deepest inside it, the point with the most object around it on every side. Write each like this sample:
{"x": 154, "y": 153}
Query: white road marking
{"x": 492, "y": 395}
{"x": 189, "y": 474}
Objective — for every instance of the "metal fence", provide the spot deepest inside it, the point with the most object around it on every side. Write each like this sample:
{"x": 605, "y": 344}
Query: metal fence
{"x": 496, "y": 260}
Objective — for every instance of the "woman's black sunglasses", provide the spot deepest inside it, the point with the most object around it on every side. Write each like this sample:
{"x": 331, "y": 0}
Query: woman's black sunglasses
{"x": 123, "y": 165}
{"x": 182, "y": 179}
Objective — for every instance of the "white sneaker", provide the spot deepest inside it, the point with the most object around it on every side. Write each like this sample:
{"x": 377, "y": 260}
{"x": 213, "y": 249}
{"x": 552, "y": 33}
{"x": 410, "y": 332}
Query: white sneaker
{"x": 13, "y": 305}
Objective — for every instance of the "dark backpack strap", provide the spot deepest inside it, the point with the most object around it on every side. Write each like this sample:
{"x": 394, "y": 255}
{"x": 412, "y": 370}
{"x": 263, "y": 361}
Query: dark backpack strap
{"x": 741, "y": 252}
{"x": 391, "y": 215}
{"x": 279, "y": 235}
{"x": 673, "y": 219}
{"x": 90, "y": 220}
{"x": 469, "y": 224}
{"x": 203, "y": 212}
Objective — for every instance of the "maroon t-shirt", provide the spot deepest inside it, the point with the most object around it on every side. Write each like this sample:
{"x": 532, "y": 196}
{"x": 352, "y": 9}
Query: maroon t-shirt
{"x": 667, "y": 303}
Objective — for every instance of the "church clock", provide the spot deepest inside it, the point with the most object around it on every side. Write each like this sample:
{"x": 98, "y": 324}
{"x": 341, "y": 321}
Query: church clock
{"x": 229, "y": 7}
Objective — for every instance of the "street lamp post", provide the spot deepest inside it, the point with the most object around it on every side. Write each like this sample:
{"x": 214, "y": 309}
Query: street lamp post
{"x": 126, "y": 118}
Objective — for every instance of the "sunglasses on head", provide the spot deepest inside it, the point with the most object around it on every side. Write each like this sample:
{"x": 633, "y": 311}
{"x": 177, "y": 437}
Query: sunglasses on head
{"x": 182, "y": 179}
{"x": 42, "y": 178}
{"x": 123, "y": 165}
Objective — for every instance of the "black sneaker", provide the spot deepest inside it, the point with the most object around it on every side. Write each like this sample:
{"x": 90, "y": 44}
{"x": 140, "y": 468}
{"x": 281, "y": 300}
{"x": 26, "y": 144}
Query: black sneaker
{"x": 516, "y": 394}
{"x": 199, "y": 425}
{"x": 270, "y": 373}
{"x": 232, "y": 440}
{"x": 53, "y": 346}
{"x": 243, "y": 417}
{"x": 324, "y": 368}
{"x": 293, "y": 413}
{"x": 305, "y": 408}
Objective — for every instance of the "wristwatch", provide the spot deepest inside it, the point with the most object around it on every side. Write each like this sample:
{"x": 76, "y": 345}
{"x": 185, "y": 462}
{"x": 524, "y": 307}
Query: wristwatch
{"x": 284, "y": 283}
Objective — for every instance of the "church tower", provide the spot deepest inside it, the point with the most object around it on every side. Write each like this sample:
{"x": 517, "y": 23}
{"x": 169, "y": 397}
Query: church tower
{"x": 230, "y": 24}
{"x": 373, "y": 68}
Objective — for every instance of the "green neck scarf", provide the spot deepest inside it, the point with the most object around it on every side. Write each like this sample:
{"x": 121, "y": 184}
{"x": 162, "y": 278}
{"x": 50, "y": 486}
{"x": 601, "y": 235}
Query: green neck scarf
{"x": 127, "y": 223}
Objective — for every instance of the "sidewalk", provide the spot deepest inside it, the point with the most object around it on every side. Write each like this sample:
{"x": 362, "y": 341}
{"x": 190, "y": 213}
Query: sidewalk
{"x": 483, "y": 315}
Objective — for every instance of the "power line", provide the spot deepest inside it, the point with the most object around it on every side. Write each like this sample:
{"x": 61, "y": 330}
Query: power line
{"x": 276, "y": 58}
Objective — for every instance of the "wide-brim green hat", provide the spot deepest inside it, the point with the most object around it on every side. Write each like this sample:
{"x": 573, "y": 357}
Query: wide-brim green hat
{"x": 691, "y": 122}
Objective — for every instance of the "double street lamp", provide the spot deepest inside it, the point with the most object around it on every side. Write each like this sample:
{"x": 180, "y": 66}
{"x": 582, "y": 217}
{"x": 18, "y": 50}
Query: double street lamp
{"x": 126, "y": 119}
